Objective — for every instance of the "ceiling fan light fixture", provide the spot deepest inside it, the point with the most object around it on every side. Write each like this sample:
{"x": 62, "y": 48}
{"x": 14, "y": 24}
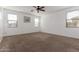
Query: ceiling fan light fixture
{"x": 39, "y": 8}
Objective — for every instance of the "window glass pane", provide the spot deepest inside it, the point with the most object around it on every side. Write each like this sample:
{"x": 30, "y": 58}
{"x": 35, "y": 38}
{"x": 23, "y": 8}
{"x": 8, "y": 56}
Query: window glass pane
{"x": 12, "y": 25}
{"x": 11, "y": 22}
{"x": 12, "y": 17}
{"x": 0, "y": 16}
{"x": 36, "y": 22}
{"x": 70, "y": 15}
{"x": 73, "y": 19}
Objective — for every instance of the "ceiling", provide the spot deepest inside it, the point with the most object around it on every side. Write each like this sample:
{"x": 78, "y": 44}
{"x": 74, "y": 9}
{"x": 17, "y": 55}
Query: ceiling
{"x": 49, "y": 9}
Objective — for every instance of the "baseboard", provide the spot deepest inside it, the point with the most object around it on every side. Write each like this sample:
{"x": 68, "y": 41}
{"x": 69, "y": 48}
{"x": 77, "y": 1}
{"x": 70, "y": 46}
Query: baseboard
{"x": 61, "y": 35}
{"x": 43, "y": 32}
{"x": 19, "y": 34}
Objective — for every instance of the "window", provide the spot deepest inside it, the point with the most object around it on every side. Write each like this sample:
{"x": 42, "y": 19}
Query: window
{"x": 72, "y": 19}
{"x": 12, "y": 20}
{"x": 0, "y": 15}
{"x": 36, "y": 22}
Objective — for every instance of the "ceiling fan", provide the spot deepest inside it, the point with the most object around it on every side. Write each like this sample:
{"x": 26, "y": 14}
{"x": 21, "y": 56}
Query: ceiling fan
{"x": 39, "y": 8}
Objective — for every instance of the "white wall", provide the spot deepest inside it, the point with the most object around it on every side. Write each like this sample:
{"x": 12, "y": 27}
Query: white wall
{"x": 1, "y": 25}
{"x": 55, "y": 23}
{"x": 22, "y": 27}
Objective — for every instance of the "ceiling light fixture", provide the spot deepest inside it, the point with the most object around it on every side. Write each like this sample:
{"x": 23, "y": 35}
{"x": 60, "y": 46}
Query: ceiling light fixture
{"x": 39, "y": 8}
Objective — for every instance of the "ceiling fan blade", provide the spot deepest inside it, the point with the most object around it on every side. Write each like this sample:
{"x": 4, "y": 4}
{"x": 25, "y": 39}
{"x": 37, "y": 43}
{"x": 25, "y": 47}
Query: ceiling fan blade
{"x": 38, "y": 6}
{"x": 34, "y": 6}
{"x": 42, "y": 10}
{"x": 42, "y": 7}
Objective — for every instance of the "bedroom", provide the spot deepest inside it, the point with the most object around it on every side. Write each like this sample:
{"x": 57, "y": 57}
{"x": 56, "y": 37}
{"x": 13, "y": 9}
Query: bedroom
{"x": 28, "y": 29}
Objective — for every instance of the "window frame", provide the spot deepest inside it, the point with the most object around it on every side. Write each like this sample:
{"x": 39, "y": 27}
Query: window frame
{"x": 36, "y": 24}
{"x": 66, "y": 18}
{"x": 12, "y": 20}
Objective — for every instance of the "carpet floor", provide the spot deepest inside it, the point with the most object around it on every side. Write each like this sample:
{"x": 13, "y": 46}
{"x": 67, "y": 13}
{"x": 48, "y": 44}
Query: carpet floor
{"x": 39, "y": 42}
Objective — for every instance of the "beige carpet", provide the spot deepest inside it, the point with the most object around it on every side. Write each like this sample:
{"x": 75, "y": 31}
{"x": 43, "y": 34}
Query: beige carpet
{"x": 39, "y": 42}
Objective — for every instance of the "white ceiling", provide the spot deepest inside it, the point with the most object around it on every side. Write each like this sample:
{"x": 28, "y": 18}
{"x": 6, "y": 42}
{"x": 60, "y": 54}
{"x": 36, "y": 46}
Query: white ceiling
{"x": 49, "y": 9}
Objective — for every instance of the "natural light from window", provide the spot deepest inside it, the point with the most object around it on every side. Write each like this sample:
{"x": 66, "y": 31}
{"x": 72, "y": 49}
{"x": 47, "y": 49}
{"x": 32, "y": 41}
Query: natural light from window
{"x": 12, "y": 20}
{"x": 72, "y": 14}
{"x": 0, "y": 15}
{"x": 73, "y": 19}
{"x": 12, "y": 17}
{"x": 36, "y": 22}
